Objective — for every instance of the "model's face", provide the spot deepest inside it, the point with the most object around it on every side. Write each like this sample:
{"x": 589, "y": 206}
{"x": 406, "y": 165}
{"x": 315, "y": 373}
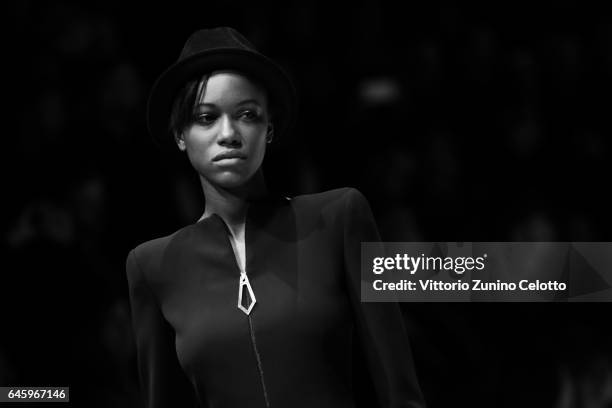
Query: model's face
{"x": 227, "y": 141}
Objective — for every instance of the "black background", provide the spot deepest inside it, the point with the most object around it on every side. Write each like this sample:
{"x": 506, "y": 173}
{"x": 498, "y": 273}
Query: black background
{"x": 459, "y": 123}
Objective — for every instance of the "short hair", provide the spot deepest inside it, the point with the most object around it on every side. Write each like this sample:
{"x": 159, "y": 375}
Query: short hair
{"x": 183, "y": 107}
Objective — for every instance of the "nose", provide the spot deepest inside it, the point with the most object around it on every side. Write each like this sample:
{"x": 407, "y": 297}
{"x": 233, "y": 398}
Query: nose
{"x": 228, "y": 135}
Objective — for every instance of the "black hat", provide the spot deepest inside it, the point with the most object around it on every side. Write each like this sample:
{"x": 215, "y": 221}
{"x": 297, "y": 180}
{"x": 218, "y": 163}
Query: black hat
{"x": 215, "y": 49}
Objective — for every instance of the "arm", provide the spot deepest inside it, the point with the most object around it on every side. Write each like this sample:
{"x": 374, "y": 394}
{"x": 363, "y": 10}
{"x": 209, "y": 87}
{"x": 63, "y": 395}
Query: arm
{"x": 379, "y": 326}
{"x": 162, "y": 380}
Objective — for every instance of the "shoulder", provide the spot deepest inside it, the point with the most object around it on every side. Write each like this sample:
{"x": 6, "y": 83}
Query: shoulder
{"x": 331, "y": 210}
{"x": 339, "y": 199}
{"x": 146, "y": 257}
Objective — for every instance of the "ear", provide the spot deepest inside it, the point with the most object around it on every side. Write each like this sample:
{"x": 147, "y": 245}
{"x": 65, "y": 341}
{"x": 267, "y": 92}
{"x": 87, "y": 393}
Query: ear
{"x": 270, "y": 133}
{"x": 180, "y": 141}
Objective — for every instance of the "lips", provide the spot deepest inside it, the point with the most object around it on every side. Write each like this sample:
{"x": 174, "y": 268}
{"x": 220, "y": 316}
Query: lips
{"x": 229, "y": 155}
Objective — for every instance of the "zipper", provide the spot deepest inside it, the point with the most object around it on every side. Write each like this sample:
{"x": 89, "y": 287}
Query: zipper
{"x": 252, "y": 299}
{"x": 258, "y": 357}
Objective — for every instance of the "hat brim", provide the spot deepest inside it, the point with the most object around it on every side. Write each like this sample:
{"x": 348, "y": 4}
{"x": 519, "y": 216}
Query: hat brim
{"x": 260, "y": 68}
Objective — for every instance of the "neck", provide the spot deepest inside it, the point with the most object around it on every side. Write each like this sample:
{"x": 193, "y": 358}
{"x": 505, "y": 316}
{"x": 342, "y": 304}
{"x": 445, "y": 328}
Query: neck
{"x": 232, "y": 204}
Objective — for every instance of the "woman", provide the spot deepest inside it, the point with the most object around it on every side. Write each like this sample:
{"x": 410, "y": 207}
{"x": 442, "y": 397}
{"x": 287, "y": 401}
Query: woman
{"x": 255, "y": 304}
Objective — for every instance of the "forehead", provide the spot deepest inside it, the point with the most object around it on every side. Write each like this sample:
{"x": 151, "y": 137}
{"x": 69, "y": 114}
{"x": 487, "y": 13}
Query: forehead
{"x": 231, "y": 87}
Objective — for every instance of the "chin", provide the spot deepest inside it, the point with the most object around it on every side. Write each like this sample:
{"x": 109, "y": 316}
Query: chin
{"x": 230, "y": 180}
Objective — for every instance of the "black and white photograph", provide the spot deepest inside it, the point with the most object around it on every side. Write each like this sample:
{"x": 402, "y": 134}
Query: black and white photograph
{"x": 307, "y": 205}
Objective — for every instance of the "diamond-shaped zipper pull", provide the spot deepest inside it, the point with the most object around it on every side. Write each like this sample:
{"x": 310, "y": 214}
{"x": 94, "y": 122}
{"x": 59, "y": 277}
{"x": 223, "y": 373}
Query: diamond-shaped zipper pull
{"x": 246, "y": 302}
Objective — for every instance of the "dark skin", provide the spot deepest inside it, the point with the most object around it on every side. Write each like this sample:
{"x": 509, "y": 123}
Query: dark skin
{"x": 226, "y": 145}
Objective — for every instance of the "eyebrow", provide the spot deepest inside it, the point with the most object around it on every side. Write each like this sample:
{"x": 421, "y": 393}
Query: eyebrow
{"x": 244, "y": 102}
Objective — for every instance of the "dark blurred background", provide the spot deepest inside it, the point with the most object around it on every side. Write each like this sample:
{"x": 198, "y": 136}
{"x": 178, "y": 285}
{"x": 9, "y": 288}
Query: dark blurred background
{"x": 459, "y": 123}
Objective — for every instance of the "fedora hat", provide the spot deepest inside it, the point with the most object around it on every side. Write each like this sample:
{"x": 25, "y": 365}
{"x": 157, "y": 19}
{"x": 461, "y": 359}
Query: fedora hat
{"x": 214, "y": 49}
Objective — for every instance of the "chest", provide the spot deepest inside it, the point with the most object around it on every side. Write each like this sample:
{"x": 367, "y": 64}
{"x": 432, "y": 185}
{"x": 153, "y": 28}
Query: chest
{"x": 299, "y": 285}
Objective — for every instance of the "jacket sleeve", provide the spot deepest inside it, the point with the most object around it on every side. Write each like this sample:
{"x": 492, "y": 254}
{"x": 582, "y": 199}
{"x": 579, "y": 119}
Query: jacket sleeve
{"x": 162, "y": 380}
{"x": 380, "y": 327}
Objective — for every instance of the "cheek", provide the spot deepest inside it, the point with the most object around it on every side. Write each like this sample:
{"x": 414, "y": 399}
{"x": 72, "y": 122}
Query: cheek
{"x": 255, "y": 137}
{"x": 198, "y": 143}
{"x": 195, "y": 153}
{"x": 199, "y": 154}
{"x": 259, "y": 151}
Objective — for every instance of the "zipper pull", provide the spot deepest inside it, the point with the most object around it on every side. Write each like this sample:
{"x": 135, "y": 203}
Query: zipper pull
{"x": 245, "y": 303}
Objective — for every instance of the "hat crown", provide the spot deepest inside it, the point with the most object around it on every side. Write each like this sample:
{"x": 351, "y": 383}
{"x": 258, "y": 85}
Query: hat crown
{"x": 215, "y": 38}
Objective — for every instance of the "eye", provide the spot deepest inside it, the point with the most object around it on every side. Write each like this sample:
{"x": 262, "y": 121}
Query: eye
{"x": 205, "y": 118}
{"x": 249, "y": 115}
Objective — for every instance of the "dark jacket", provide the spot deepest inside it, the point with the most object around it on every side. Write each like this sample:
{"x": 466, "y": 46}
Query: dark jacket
{"x": 196, "y": 348}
